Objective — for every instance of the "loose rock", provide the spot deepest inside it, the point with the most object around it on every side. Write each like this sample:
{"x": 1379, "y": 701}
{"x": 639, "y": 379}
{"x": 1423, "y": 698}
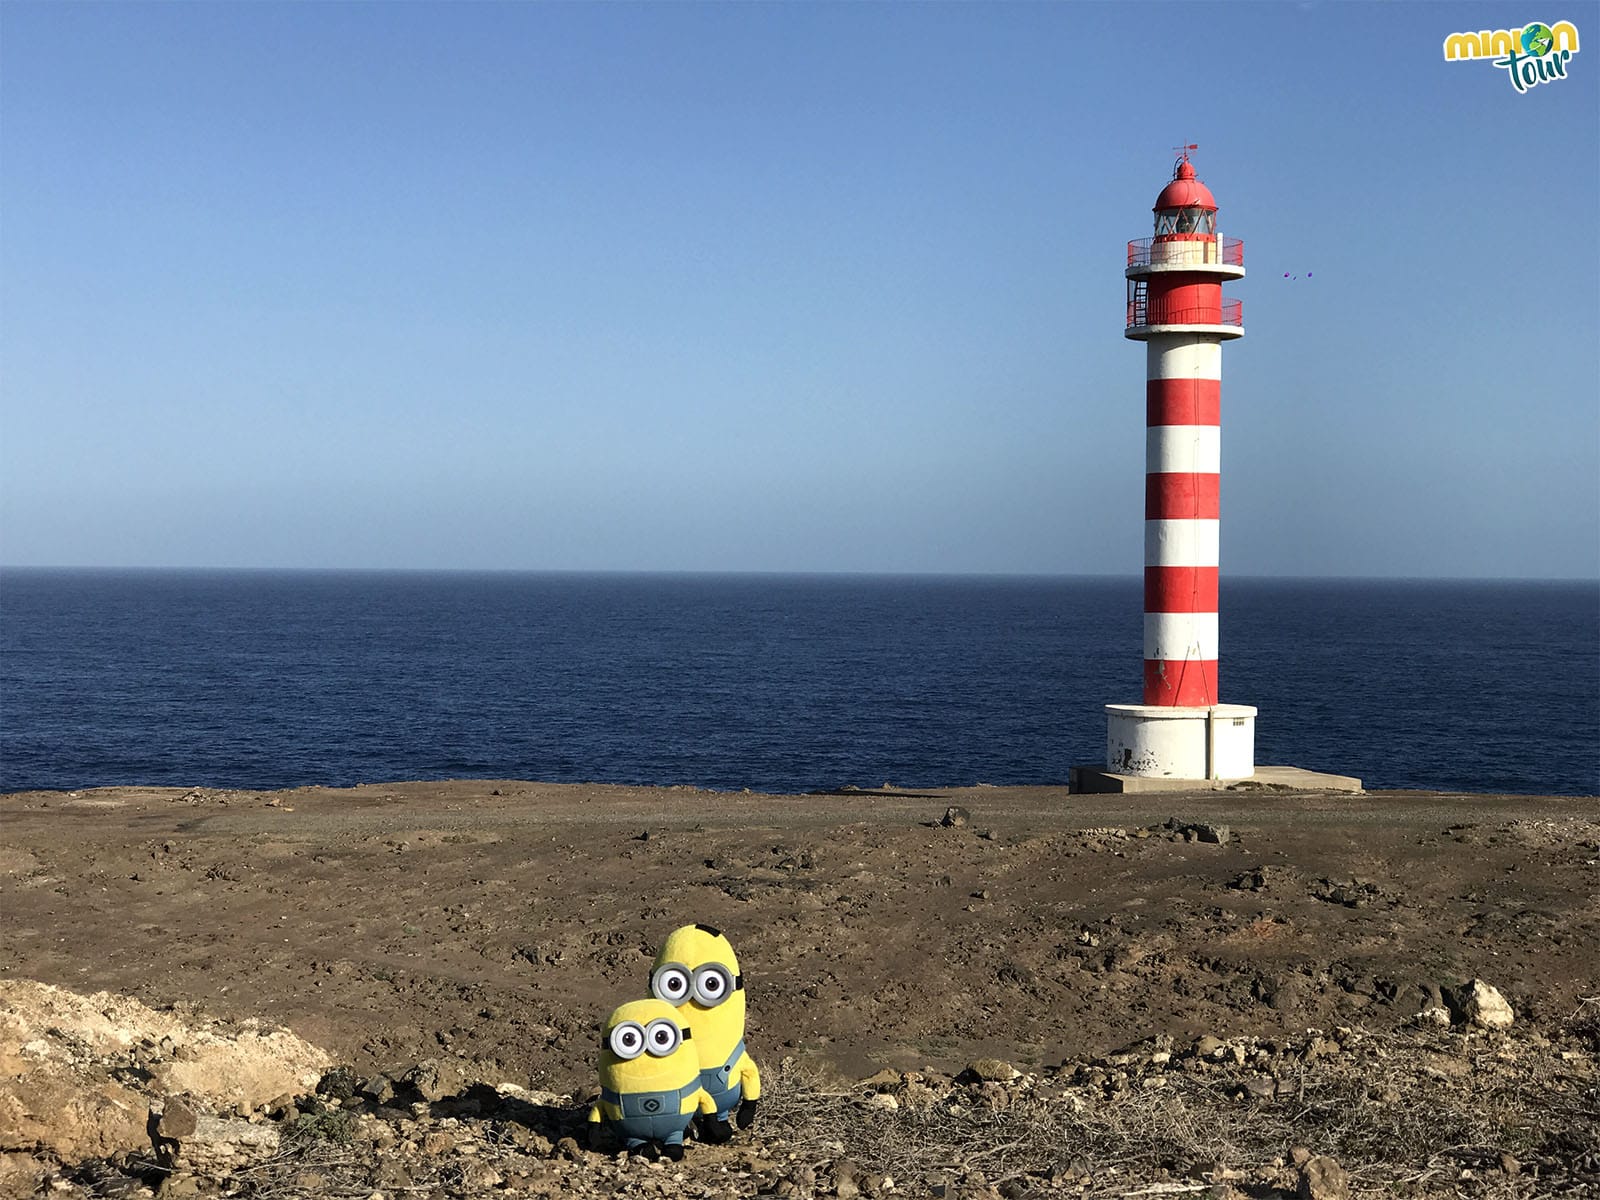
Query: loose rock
{"x": 434, "y": 1080}
{"x": 1322, "y": 1178}
{"x": 1487, "y": 1008}
{"x": 993, "y": 1070}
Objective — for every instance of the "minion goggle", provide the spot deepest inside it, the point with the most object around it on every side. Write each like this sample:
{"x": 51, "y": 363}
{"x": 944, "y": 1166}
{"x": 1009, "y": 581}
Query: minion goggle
{"x": 629, "y": 1039}
{"x": 708, "y": 985}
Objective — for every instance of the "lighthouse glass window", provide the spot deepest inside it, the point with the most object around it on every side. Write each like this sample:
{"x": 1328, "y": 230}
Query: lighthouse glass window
{"x": 1185, "y": 220}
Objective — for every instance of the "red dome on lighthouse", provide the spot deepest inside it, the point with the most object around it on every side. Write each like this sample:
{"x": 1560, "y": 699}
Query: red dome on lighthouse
{"x": 1185, "y": 191}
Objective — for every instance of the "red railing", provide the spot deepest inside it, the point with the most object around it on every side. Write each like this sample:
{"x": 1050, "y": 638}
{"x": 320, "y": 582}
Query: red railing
{"x": 1230, "y": 313}
{"x": 1181, "y": 251}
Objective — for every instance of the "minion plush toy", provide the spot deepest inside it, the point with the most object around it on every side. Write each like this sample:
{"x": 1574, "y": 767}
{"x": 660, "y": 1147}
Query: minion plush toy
{"x": 697, "y": 972}
{"x": 650, "y": 1078}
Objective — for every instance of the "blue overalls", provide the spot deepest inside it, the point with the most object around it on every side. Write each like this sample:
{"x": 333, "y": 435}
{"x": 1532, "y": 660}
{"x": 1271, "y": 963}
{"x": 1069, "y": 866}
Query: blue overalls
{"x": 715, "y": 1082}
{"x": 652, "y": 1116}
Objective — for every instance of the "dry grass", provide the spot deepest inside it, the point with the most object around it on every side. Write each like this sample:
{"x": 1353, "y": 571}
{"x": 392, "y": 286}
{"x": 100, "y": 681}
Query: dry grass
{"x": 1422, "y": 1113}
{"x": 1393, "y": 1117}
{"x": 316, "y": 1159}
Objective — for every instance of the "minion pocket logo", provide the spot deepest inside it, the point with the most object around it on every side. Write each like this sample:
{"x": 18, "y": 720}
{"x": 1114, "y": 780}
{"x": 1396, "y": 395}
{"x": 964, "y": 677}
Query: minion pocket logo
{"x": 1532, "y": 55}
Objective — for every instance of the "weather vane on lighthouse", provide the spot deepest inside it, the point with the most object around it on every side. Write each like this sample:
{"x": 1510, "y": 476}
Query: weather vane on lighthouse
{"x": 1181, "y": 730}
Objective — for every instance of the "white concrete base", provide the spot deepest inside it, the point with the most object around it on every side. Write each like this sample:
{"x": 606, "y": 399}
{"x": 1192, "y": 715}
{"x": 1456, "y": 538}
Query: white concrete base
{"x": 1212, "y": 742}
{"x": 1266, "y": 779}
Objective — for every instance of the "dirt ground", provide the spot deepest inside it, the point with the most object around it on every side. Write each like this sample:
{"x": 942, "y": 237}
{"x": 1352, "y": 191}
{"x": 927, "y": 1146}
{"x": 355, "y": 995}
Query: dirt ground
{"x": 498, "y": 922}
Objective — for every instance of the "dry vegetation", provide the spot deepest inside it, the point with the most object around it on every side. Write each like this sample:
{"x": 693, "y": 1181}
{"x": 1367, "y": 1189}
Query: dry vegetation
{"x": 1422, "y": 1112}
{"x": 1506, "y": 1117}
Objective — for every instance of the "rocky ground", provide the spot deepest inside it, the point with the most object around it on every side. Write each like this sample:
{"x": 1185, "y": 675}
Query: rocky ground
{"x": 1242, "y": 993}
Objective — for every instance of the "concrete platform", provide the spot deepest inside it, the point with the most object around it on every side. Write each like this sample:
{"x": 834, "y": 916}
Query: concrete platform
{"x": 1266, "y": 779}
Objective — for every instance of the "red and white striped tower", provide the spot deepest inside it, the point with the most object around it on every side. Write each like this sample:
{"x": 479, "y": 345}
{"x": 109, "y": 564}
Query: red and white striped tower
{"x": 1176, "y": 307}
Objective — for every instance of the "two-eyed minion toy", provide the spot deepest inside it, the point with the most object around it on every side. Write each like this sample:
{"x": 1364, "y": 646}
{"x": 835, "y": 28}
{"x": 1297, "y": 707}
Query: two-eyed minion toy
{"x": 698, "y": 973}
{"x": 650, "y": 1086}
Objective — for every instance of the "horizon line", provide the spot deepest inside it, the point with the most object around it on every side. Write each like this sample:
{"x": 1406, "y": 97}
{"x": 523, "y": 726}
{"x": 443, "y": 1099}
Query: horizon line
{"x": 789, "y": 573}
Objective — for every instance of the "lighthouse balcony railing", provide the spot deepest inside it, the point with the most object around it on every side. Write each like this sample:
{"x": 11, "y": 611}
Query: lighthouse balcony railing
{"x": 1231, "y": 312}
{"x": 1193, "y": 250}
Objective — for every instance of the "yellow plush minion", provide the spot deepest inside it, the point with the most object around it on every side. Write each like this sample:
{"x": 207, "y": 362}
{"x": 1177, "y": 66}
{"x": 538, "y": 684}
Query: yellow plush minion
{"x": 698, "y": 972}
{"x": 649, "y": 1077}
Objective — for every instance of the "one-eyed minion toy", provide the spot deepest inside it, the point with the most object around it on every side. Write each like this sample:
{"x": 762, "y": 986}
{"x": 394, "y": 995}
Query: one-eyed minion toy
{"x": 698, "y": 972}
{"x": 650, "y": 1078}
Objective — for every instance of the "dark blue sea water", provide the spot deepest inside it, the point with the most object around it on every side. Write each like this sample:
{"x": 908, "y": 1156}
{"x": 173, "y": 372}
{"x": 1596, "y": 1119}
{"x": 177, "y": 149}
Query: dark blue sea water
{"x": 266, "y": 679}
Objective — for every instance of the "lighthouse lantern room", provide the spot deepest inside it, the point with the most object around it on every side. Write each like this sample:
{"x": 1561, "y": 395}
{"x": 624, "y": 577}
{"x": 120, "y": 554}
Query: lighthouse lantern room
{"x": 1176, "y": 307}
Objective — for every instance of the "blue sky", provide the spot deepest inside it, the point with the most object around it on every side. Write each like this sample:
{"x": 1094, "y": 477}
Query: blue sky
{"x": 781, "y": 287}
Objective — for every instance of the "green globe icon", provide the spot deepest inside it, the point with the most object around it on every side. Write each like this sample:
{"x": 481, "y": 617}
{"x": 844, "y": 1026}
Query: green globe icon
{"x": 1537, "y": 40}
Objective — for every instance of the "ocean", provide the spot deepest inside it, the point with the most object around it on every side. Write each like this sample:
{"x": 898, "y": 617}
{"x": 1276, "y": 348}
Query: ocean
{"x": 269, "y": 679}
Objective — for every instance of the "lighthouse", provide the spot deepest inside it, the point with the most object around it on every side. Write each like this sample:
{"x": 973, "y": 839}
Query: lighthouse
{"x": 1182, "y": 730}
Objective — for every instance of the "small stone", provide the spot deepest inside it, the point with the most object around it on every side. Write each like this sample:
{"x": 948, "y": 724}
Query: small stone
{"x": 1216, "y": 835}
{"x": 886, "y": 1078}
{"x": 1209, "y": 1047}
{"x": 1072, "y": 1168}
{"x": 1263, "y": 1087}
{"x": 482, "y": 1176}
{"x": 1322, "y": 1178}
{"x": 569, "y": 1149}
{"x": 1320, "y": 1047}
{"x": 282, "y": 1107}
{"x": 432, "y": 1079}
{"x": 379, "y": 1089}
{"x": 846, "y": 1175}
{"x": 993, "y": 1070}
{"x": 883, "y": 1101}
{"x": 338, "y": 1084}
{"x": 1509, "y": 1164}
{"x": 438, "y": 1142}
{"x": 955, "y": 817}
{"x": 392, "y": 1173}
{"x": 178, "y": 1120}
{"x": 1487, "y": 1008}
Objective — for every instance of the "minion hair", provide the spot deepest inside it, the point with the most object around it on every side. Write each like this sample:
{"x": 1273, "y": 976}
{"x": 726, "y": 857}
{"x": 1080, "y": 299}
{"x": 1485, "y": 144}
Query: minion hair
{"x": 709, "y": 929}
